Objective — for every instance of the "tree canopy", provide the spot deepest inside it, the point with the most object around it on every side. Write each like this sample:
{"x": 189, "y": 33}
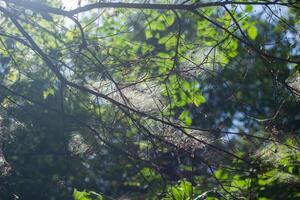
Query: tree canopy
{"x": 154, "y": 99}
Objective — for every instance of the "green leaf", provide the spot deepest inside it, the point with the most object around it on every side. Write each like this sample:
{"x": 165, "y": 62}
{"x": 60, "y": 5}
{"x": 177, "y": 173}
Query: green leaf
{"x": 164, "y": 39}
{"x": 188, "y": 121}
{"x": 78, "y": 195}
{"x": 198, "y": 99}
{"x": 148, "y": 34}
{"x": 252, "y": 32}
{"x": 181, "y": 191}
{"x": 70, "y": 35}
{"x": 248, "y": 8}
{"x": 84, "y": 195}
{"x": 159, "y": 26}
{"x": 185, "y": 117}
{"x": 170, "y": 19}
{"x": 291, "y": 169}
{"x": 13, "y": 76}
{"x": 47, "y": 92}
{"x": 186, "y": 86}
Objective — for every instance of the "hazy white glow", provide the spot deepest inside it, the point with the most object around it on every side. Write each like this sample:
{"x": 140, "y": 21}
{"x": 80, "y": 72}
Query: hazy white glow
{"x": 72, "y": 4}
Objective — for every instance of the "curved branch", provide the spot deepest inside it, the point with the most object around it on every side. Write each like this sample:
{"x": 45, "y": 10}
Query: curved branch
{"x": 39, "y": 7}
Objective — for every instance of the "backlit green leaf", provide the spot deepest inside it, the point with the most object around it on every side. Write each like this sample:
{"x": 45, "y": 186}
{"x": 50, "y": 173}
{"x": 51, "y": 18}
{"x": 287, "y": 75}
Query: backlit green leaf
{"x": 252, "y": 32}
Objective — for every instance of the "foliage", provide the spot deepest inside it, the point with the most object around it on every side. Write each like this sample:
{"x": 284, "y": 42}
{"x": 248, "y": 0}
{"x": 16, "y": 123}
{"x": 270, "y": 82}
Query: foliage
{"x": 157, "y": 100}
{"x": 181, "y": 191}
{"x": 77, "y": 195}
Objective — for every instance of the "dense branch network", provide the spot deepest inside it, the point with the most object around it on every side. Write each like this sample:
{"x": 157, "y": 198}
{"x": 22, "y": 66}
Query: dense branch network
{"x": 137, "y": 116}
